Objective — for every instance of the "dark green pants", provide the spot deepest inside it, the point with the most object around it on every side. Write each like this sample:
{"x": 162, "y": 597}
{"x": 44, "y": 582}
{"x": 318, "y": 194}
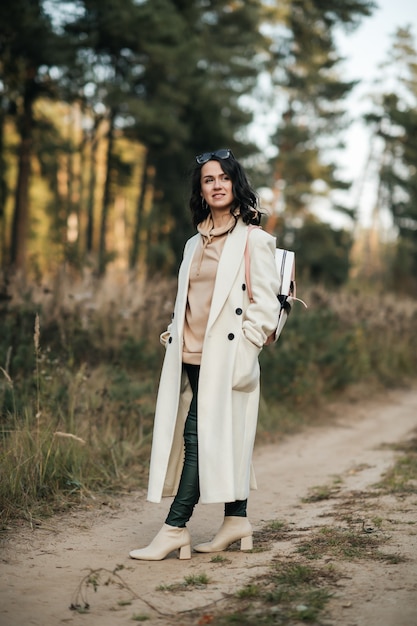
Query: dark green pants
{"x": 189, "y": 488}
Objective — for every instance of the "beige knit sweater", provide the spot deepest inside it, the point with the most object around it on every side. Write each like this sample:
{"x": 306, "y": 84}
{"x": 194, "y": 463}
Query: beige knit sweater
{"x": 203, "y": 273}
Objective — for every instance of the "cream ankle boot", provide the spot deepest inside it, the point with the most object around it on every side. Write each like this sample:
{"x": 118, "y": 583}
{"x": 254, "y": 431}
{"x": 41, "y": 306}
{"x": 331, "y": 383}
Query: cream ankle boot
{"x": 232, "y": 529}
{"x": 168, "y": 539}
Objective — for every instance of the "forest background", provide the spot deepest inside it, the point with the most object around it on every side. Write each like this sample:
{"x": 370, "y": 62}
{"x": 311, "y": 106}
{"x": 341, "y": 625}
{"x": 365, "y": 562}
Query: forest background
{"x": 103, "y": 106}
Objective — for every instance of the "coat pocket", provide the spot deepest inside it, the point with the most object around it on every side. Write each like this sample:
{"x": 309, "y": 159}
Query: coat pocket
{"x": 246, "y": 368}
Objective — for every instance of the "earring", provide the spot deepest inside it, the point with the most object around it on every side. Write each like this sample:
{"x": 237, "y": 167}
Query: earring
{"x": 204, "y": 205}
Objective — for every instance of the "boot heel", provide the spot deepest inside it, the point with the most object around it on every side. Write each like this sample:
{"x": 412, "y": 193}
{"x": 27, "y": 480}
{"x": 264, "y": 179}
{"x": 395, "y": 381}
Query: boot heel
{"x": 185, "y": 552}
{"x": 246, "y": 543}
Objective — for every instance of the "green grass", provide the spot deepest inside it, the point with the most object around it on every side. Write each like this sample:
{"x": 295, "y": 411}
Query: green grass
{"x": 276, "y": 525}
{"x": 218, "y": 558}
{"x": 196, "y": 580}
{"x": 290, "y": 592}
{"x": 322, "y": 492}
{"x": 189, "y": 582}
{"x": 341, "y": 543}
{"x": 402, "y": 477}
{"x": 250, "y": 591}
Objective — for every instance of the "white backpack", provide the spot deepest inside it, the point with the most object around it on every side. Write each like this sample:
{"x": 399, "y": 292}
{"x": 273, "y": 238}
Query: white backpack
{"x": 285, "y": 263}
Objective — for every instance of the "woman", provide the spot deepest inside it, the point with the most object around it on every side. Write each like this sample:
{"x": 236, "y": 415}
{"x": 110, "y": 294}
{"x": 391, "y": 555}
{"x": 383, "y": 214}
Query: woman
{"x": 207, "y": 406}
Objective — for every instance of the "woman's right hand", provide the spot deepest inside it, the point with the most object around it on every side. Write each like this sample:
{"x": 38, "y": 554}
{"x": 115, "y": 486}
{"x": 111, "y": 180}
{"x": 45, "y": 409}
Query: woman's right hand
{"x": 163, "y": 338}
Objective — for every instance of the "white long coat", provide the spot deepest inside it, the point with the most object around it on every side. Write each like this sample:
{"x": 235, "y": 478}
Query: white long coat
{"x": 228, "y": 394}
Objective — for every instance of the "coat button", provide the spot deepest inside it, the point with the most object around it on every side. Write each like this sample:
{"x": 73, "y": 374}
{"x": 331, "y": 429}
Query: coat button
{"x": 170, "y": 340}
{"x": 172, "y": 316}
{"x": 243, "y": 287}
{"x": 230, "y": 336}
{"x": 239, "y": 311}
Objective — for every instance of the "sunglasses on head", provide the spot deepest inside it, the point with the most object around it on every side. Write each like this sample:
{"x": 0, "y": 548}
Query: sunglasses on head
{"x": 224, "y": 153}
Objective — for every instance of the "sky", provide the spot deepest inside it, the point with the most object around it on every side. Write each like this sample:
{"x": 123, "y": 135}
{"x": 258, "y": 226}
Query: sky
{"x": 365, "y": 49}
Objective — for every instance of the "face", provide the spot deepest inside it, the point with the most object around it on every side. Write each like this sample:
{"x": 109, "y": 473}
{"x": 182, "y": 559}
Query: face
{"x": 216, "y": 187}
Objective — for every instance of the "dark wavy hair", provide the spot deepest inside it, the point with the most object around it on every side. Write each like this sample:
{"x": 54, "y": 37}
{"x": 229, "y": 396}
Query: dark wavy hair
{"x": 244, "y": 196}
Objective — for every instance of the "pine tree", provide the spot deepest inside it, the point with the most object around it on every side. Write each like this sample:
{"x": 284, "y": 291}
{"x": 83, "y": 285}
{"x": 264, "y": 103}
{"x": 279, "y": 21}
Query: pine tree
{"x": 29, "y": 47}
{"x": 307, "y": 62}
{"x": 214, "y": 60}
{"x": 107, "y": 37}
{"x": 396, "y": 124}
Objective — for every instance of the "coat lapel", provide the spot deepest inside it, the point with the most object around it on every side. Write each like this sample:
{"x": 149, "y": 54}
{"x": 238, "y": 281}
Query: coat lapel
{"x": 230, "y": 261}
{"x": 184, "y": 277}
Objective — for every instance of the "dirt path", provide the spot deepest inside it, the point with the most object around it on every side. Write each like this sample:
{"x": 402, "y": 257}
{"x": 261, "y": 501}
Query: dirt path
{"x": 41, "y": 569}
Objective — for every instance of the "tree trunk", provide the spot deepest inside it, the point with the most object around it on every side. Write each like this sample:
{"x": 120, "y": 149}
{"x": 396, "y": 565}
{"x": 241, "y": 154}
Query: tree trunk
{"x": 3, "y": 191}
{"x": 20, "y": 223}
{"x": 139, "y": 213}
{"x": 91, "y": 194}
{"x": 92, "y": 179}
{"x": 106, "y": 196}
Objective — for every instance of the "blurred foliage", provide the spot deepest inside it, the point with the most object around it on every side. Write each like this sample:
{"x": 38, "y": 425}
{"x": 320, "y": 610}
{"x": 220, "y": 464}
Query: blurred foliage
{"x": 314, "y": 111}
{"x": 394, "y": 126}
{"x": 340, "y": 340}
{"x": 322, "y": 253}
{"x": 100, "y": 119}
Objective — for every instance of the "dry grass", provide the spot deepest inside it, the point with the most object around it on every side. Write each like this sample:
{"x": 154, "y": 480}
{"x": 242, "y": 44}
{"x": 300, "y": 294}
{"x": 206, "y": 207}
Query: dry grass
{"x": 79, "y": 368}
{"x": 120, "y": 303}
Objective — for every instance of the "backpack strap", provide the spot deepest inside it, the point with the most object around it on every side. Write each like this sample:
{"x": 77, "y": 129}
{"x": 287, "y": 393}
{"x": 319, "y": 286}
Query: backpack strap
{"x": 247, "y": 263}
{"x": 292, "y": 289}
